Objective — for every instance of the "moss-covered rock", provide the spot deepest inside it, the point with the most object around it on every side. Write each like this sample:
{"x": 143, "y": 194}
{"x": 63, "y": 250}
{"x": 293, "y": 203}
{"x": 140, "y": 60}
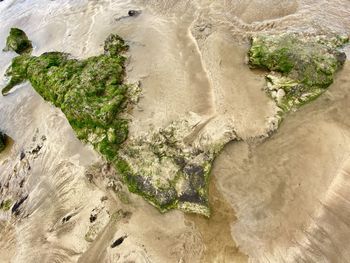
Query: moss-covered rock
{"x": 2, "y": 141}
{"x": 90, "y": 92}
{"x": 169, "y": 167}
{"x": 302, "y": 67}
{"x": 18, "y": 42}
{"x": 6, "y": 205}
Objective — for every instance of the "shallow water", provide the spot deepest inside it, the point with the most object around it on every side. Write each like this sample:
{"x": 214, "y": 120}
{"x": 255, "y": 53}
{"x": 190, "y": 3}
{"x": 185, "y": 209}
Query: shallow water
{"x": 283, "y": 199}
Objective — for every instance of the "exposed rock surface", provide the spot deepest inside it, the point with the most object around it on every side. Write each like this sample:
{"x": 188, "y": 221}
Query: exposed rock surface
{"x": 301, "y": 67}
{"x": 170, "y": 167}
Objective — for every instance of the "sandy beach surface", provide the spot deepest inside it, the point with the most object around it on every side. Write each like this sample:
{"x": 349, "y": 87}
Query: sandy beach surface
{"x": 274, "y": 198}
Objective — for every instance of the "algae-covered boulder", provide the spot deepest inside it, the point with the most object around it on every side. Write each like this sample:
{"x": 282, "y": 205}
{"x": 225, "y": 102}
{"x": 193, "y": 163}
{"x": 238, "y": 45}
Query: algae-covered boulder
{"x": 169, "y": 167}
{"x": 90, "y": 92}
{"x": 18, "y": 42}
{"x": 302, "y": 67}
{"x": 2, "y": 141}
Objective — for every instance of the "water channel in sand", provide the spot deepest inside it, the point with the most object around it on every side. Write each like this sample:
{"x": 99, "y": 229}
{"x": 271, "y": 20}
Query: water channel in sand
{"x": 281, "y": 199}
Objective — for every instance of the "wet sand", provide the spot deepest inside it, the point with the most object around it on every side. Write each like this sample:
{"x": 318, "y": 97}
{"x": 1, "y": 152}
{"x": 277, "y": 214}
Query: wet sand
{"x": 216, "y": 231}
{"x": 281, "y": 199}
{"x": 281, "y": 189}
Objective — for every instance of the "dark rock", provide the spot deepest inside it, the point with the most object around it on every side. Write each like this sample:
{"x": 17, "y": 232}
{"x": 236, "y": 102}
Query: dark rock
{"x": 196, "y": 170}
{"x": 134, "y": 12}
{"x": 37, "y": 149}
{"x": 197, "y": 181}
{"x": 21, "y": 156}
{"x": 15, "y": 208}
{"x": 93, "y": 218}
{"x": 90, "y": 177}
{"x": 341, "y": 57}
{"x": 163, "y": 199}
{"x": 191, "y": 196}
{"x": 118, "y": 242}
{"x": 180, "y": 161}
{"x": 2, "y": 141}
{"x": 21, "y": 183}
{"x": 66, "y": 218}
{"x": 104, "y": 198}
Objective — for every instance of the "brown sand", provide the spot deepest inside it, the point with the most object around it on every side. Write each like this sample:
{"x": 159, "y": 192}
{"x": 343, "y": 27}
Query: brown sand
{"x": 281, "y": 200}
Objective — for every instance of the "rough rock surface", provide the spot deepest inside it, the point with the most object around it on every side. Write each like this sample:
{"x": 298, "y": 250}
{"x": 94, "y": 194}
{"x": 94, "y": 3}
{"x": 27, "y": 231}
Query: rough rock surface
{"x": 18, "y": 42}
{"x": 170, "y": 167}
{"x": 301, "y": 67}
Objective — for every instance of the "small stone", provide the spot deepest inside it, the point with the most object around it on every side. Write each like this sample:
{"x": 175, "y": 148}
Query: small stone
{"x": 37, "y": 149}
{"x": 22, "y": 156}
{"x": 16, "y": 208}
{"x": 2, "y": 141}
{"x": 104, "y": 198}
{"x": 66, "y": 218}
{"x": 90, "y": 177}
{"x": 93, "y": 218}
{"x": 274, "y": 94}
{"x": 341, "y": 57}
{"x": 133, "y": 12}
{"x": 18, "y": 42}
{"x": 118, "y": 242}
{"x": 280, "y": 94}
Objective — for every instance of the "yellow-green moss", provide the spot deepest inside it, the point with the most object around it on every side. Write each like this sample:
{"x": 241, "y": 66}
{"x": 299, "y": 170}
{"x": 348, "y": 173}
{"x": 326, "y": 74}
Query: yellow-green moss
{"x": 6, "y": 205}
{"x": 18, "y": 42}
{"x": 90, "y": 92}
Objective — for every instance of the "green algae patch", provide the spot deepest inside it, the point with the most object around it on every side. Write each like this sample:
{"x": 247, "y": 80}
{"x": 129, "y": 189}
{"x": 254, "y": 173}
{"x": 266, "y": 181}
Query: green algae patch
{"x": 90, "y": 92}
{"x": 6, "y": 205}
{"x": 2, "y": 141}
{"x": 18, "y": 42}
{"x": 302, "y": 68}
